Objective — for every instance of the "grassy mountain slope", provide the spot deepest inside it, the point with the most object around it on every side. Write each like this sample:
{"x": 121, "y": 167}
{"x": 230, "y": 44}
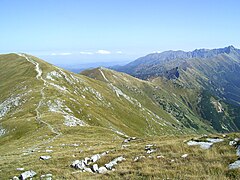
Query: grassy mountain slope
{"x": 45, "y": 110}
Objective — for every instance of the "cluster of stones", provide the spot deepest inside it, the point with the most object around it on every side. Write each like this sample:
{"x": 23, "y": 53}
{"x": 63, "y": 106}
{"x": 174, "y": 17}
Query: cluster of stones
{"x": 150, "y": 148}
{"x": 90, "y": 165}
{"x": 30, "y": 174}
{"x": 128, "y": 140}
{"x": 236, "y": 144}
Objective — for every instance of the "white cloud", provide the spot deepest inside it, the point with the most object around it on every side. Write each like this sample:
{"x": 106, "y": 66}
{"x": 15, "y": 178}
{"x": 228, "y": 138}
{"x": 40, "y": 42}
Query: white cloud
{"x": 119, "y": 52}
{"x": 86, "y": 52}
{"x": 64, "y": 54}
{"x": 103, "y": 52}
{"x": 60, "y": 54}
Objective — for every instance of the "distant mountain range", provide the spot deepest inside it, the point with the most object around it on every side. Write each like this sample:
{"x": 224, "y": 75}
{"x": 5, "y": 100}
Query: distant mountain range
{"x": 217, "y": 70}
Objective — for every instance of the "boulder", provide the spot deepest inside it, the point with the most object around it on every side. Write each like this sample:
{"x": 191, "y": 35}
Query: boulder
{"x": 86, "y": 169}
{"x": 102, "y": 170}
{"x": 237, "y": 139}
{"x": 77, "y": 164}
{"x": 95, "y": 168}
{"x": 203, "y": 145}
{"x": 74, "y": 163}
{"x": 114, "y": 162}
{"x": 110, "y": 165}
{"x": 232, "y": 143}
{"x": 234, "y": 165}
{"x": 81, "y": 165}
{"x": 27, "y": 174}
{"x": 87, "y": 161}
{"x": 45, "y": 157}
{"x": 95, "y": 157}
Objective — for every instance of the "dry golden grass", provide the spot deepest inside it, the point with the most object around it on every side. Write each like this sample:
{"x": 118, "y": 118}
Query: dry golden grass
{"x": 200, "y": 164}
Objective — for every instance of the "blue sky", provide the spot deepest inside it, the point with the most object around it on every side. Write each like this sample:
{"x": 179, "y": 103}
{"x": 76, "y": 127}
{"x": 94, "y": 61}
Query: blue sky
{"x": 76, "y": 31}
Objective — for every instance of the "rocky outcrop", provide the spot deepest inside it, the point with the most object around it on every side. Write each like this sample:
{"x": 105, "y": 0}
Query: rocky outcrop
{"x": 206, "y": 144}
{"x": 89, "y": 164}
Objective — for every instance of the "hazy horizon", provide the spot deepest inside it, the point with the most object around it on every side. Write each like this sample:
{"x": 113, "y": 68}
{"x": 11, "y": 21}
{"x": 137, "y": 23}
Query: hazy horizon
{"x": 83, "y": 32}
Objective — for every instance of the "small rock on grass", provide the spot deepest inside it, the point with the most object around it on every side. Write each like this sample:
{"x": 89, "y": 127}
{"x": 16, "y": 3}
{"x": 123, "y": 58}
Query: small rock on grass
{"x": 45, "y": 157}
{"x": 184, "y": 155}
{"x": 20, "y": 169}
{"x": 46, "y": 177}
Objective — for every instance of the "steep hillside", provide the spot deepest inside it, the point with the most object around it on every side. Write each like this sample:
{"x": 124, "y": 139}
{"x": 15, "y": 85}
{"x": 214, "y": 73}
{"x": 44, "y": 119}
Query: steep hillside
{"x": 175, "y": 101}
{"x": 166, "y": 105}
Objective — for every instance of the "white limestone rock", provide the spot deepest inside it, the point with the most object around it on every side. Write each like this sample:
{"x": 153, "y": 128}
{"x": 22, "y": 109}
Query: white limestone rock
{"x": 114, "y": 162}
{"x": 215, "y": 140}
{"x": 27, "y": 174}
{"x": 45, "y": 157}
{"x": 203, "y": 145}
{"x": 20, "y": 169}
{"x": 234, "y": 165}
{"x": 15, "y": 178}
{"x": 46, "y": 177}
{"x": 95, "y": 157}
{"x": 95, "y": 168}
{"x": 86, "y": 169}
{"x": 184, "y": 155}
{"x": 102, "y": 170}
{"x": 232, "y": 143}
